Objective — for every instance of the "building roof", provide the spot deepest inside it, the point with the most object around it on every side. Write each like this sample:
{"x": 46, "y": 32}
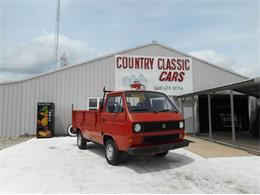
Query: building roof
{"x": 249, "y": 87}
{"x": 121, "y": 52}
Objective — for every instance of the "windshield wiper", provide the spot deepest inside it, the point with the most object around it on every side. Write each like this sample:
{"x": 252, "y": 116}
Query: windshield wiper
{"x": 155, "y": 111}
{"x": 139, "y": 109}
{"x": 144, "y": 110}
{"x": 164, "y": 110}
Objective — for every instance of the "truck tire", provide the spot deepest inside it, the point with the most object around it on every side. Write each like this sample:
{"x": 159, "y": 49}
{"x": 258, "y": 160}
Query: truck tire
{"x": 111, "y": 152}
{"x": 161, "y": 154}
{"x": 81, "y": 141}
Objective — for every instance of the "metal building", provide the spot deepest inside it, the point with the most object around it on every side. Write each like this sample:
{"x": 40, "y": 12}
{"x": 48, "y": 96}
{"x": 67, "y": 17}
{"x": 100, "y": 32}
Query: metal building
{"x": 81, "y": 85}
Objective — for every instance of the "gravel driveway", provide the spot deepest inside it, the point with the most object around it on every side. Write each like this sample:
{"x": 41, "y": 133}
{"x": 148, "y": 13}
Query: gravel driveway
{"x": 56, "y": 165}
{"x": 10, "y": 141}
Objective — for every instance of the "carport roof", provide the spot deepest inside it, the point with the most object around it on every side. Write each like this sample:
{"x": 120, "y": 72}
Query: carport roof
{"x": 249, "y": 87}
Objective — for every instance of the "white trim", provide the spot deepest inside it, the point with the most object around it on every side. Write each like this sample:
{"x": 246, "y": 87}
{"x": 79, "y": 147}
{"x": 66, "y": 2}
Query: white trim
{"x": 98, "y": 100}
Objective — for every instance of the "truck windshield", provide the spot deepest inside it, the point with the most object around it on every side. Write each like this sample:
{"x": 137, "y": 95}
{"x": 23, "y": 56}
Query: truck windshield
{"x": 141, "y": 101}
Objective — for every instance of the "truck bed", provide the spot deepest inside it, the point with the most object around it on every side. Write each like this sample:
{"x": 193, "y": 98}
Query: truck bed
{"x": 84, "y": 119}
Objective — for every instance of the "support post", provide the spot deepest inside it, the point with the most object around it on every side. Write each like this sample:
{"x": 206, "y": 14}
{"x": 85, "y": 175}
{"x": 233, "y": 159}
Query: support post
{"x": 232, "y": 117}
{"x": 209, "y": 115}
{"x": 182, "y": 109}
{"x": 193, "y": 116}
{"x": 197, "y": 113}
{"x": 181, "y": 106}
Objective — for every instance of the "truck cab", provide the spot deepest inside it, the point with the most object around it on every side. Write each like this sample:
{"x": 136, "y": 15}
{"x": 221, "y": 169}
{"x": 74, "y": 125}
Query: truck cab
{"x": 137, "y": 122}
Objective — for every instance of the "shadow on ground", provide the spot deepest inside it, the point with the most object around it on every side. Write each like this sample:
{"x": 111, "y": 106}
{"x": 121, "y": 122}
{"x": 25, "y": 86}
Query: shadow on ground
{"x": 148, "y": 163}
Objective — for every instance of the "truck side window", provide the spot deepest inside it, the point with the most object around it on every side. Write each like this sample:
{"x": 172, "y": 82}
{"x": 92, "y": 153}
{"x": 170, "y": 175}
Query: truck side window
{"x": 114, "y": 104}
{"x": 120, "y": 104}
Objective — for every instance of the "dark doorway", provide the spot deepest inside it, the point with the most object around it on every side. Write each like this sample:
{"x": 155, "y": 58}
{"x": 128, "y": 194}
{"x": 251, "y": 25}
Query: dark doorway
{"x": 221, "y": 121}
{"x": 220, "y": 113}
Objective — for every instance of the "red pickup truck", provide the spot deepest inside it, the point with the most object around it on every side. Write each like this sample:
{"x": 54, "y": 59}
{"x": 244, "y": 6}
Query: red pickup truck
{"x": 134, "y": 121}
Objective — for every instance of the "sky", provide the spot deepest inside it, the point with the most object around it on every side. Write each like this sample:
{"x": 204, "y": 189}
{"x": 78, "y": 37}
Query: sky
{"x": 223, "y": 32}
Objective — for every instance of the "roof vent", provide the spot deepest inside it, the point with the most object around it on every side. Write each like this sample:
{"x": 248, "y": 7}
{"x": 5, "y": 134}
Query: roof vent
{"x": 63, "y": 60}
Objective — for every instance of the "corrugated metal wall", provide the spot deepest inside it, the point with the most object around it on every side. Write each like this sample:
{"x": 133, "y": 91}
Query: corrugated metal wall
{"x": 75, "y": 84}
{"x": 18, "y": 101}
{"x": 206, "y": 76}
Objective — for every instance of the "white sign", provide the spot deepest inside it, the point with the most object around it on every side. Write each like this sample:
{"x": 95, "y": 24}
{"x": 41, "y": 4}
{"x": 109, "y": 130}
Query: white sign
{"x": 170, "y": 75}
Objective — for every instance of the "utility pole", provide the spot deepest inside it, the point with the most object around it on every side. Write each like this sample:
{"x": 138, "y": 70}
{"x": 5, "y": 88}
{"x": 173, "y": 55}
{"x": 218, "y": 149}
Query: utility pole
{"x": 57, "y": 26}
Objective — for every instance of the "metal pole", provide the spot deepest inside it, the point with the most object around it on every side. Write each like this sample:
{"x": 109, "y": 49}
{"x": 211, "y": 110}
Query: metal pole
{"x": 232, "y": 117}
{"x": 57, "y": 28}
{"x": 209, "y": 115}
{"x": 193, "y": 115}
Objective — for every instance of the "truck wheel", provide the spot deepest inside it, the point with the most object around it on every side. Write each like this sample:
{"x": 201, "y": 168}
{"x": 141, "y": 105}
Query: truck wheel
{"x": 161, "y": 154}
{"x": 81, "y": 141}
{"x": 111, "y": 153}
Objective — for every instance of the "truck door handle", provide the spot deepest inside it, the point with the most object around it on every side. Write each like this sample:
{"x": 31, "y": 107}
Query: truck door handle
{"x": 103, "y": 120}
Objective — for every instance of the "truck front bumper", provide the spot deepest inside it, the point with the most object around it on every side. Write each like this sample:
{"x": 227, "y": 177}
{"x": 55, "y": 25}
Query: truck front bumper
{"x": 157, "y": 148}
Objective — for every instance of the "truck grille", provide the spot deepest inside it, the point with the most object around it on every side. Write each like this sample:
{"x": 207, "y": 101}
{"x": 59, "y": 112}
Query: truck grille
{"x": 160, "y": 126}
{"x": 160, "y": 138}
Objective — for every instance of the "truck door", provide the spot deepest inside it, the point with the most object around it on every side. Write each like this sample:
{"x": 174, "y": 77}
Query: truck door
{"x": 113, "y": 117}
{"x": 119, "y": 116}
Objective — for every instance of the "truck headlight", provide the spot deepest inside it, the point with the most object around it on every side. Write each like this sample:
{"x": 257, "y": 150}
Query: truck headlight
{"x": 181, "y": 124}
{"x": 137, "y": 127}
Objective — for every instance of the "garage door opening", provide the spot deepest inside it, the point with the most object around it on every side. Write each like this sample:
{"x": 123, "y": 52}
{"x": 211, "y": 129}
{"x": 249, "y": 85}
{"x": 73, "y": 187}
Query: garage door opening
{"x": 221, "y": 120}
{"x": 220, "y": 113}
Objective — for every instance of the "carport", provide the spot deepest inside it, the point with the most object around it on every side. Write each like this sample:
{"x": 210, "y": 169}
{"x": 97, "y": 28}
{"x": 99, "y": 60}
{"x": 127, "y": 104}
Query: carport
{"x": 232, "y": 98}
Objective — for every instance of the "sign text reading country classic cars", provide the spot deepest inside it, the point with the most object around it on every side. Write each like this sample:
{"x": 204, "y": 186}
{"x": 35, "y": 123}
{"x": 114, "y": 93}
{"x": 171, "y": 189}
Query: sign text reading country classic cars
{"x": 171, "y": 75}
